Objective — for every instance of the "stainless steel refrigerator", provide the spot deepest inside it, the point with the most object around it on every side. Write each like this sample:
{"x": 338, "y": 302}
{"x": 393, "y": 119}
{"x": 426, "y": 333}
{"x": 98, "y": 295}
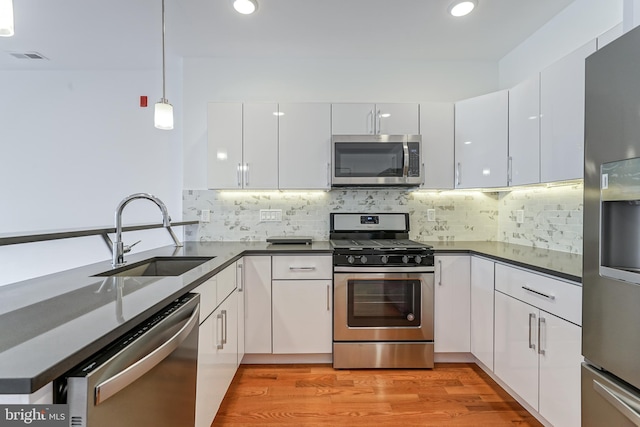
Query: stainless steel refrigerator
{"x": 611, "y": 270}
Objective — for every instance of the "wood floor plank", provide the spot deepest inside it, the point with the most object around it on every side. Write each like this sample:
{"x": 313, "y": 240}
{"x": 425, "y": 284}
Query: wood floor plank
{"x": 459, "y": 395}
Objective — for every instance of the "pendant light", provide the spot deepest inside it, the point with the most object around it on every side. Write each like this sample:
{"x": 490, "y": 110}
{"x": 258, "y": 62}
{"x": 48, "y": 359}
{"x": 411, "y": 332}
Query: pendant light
{"x": 6, "y": 18}
{"x": 163, "y": 114}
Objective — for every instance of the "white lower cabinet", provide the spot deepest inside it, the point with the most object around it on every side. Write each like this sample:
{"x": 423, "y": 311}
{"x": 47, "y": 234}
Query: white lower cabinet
{"x": 538, "y": 354}
{"x": 482, "y": 289}
{"x": 257, "y": 303}
{"x": 302, "y": 316}
{"x": 452, "y": 304}
{"x": 217, "y": 346}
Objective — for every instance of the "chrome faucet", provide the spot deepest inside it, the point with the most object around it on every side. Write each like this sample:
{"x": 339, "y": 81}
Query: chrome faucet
{"x": 119, "y": 248}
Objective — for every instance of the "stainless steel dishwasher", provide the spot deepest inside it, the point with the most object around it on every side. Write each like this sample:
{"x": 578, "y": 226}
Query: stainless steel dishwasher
{"x": 146, "y": 378}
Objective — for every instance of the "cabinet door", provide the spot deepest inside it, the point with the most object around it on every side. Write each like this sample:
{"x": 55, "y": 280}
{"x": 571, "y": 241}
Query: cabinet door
{"x": 397, "y": 119}
{"x": 302, "y": 316}
{"x": 436, "y": 128}
{"x": 304, "y": 146}
{"x": 257, "y": 294}
{"x": 353, "y": 119}
{"x": 216, "y": 366}
{"x": 224, "y": 145}
{"x": 481, "y": 135}
{"x": 260, "y": 146}
{"x": 562, "y": 117}
{"x": 482, "y": 293}
{"x": 452, "y": 304}
{"x": 516, "y": 358}
{"x": 560, "y": 345}
{"x": 524, "y": 132}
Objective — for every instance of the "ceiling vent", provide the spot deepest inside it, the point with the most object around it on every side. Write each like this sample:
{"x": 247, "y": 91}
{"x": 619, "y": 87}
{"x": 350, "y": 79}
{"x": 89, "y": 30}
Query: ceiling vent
{"x": 27, "y": 55}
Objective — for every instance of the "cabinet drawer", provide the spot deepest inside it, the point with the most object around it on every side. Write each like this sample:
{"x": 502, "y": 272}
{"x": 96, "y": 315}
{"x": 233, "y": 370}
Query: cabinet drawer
{"x": 302, "y": 267}
{"x": 226, "y": 282}
{"x": 553, "y": 296}
{"x": 208, "y": 298}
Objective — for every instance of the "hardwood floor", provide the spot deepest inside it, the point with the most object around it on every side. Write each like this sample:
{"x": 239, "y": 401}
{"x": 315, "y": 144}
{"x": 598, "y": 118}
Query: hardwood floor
{"x": 457, "y": 394}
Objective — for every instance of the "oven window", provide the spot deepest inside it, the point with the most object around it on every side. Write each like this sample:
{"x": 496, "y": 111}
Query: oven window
{"x": 364, "y": 160}
{"x": 383, "y": 302}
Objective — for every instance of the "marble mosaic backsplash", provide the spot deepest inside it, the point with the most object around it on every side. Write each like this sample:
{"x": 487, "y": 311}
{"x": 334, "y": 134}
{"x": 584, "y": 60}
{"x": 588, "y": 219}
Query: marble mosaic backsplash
{"x": 459, "y": 215}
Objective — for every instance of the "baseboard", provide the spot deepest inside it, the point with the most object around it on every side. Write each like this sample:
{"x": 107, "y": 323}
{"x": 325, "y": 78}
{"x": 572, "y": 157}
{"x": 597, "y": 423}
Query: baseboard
{"x": 286, "y": 359}
{"x": 453, "y": 358}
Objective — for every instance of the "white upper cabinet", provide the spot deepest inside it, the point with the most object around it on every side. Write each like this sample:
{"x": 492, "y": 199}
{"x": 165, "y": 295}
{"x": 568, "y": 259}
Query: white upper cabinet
{"x": 436, "y": 127}
{"x": 524, "y": 132}
{"x": 242, "y": 146}
{"x": 224, "y": 138}
{"x": 383, "y": 119}
{"x": 260, "y": 146}
{"x": 481, "y": 140}
{"x": 305, "y": 146}
{"x": 562, "y": 116}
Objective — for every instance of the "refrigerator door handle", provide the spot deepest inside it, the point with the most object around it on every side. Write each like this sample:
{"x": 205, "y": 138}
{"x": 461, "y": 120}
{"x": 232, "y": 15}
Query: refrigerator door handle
{"x": 621, "y": 403}
{"x": 119, "y": 381}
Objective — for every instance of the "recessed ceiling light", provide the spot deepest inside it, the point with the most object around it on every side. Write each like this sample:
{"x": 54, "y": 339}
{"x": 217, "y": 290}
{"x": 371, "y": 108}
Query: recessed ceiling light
{"x": 246, "y": 7}
{"x": 462, "y": 8}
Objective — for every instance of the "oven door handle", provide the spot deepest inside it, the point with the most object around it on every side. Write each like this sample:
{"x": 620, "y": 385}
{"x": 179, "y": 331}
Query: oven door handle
{"x": 366, "y": 269}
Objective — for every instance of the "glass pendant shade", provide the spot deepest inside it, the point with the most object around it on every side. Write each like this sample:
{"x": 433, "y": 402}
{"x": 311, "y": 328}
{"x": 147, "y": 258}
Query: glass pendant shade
{"x": 6, "y": 18}
{"x": 163, "y": 115}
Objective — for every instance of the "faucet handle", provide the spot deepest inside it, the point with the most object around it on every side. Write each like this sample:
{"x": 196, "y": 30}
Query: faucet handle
{"x": 127, "y": 249}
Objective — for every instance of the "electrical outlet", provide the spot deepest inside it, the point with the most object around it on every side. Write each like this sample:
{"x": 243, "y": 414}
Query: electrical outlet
{"x": 205, "y": 215}
{"x": 519, "y": 216}
{"x": 270, "y": 215}
{"x": 431, "y": 215}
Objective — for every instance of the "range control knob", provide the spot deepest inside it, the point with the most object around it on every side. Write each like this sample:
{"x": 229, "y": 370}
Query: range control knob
{"x": 351, "y": 259}
{"x": 405, "y": 259}
{"x": 418, "y": 259}
{"x": 411, "y": 317}
{"x": 363, "y": 259}
{"x": 384, "y": 259}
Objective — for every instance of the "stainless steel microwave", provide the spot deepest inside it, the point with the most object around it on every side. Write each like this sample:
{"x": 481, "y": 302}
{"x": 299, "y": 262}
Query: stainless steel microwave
{"x": 376, "y": 160}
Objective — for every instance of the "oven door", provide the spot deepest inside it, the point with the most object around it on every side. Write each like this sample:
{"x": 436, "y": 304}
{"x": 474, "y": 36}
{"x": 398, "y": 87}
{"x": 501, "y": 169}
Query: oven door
{"x": 383, "y": 306}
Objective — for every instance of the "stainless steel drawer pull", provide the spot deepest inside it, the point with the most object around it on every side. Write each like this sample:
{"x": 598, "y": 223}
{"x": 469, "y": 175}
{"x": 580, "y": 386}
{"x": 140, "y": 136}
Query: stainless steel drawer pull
{"x": 551, "y": 297}
{"x": 328, "y": 298}
{"x": 621, "y": 403}
{"x": 301, "y": 268}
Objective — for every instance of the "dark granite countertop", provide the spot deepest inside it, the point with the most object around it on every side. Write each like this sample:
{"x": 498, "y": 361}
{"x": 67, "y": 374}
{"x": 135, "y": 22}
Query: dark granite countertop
{"x": 51, "y": 323}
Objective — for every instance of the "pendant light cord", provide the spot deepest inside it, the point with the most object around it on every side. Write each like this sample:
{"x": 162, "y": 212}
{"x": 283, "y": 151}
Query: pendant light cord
{"x": 164, "y": 99}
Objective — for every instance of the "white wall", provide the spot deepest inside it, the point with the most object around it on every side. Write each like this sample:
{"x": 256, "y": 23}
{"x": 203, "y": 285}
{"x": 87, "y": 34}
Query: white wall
{"x": 268, "y": 80}
{"x": 74, "y": 143}
{"x": 581, "y": 21}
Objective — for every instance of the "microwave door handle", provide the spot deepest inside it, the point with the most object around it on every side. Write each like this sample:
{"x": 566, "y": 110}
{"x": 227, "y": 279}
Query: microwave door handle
{"x": 405, "y": 169}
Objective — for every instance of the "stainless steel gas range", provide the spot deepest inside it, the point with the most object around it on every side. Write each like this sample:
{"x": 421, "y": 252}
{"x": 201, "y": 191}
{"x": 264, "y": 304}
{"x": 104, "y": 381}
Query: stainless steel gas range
{"x": 383, "y": 293}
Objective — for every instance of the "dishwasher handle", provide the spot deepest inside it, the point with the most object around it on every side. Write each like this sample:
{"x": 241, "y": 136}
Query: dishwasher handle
{"x": 122, "y": 379}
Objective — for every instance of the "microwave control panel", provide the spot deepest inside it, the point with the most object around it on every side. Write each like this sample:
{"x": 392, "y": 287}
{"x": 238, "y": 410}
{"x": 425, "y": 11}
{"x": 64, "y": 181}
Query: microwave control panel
{"x": 414, "y": 159}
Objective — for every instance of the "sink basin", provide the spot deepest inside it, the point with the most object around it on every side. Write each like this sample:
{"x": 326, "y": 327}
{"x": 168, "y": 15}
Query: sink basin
{"x": 158, "y": 266}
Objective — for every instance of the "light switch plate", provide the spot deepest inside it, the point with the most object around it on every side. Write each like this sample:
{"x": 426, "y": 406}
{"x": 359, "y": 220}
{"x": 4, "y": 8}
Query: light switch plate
{"x": 205, "y": 215}
{"x": 519, "y": 216}
{"x": 270, "y": 215}
{"x": 431, "y": 215}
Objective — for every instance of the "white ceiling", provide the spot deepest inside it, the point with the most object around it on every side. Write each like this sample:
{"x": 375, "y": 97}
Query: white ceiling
{"x": 86, "y": 34}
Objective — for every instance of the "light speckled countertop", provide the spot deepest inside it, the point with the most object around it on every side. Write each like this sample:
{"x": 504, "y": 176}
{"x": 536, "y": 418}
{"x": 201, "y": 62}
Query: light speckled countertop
{"x": 51, "y": 323}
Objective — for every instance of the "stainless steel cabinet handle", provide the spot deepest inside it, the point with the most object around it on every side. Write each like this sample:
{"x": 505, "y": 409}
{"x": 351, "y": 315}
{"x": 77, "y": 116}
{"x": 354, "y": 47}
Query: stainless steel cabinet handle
{"x": 510, "y": 171}
{"x": 246, "y": 174}
{"x": 551, "y": 297}
{"x": 302, "y": 268}
{"x": 439, "y": 272}
{"x": 226, "y": 325}
{"x": 240, "y": 277}
{"x": 619, "y": 402}
{"x": 220, "y": 336}
{"x": 424, "y": 175}
{"x": 328, "y": 174}
{"x": 532, "y": 317}
{"x": 459, "y": 174}
{"x": 239, "y": 172}
{"x": 328, "y": 298}
{"x": 541, "y": 321}
{"x": 379, "y": 123}
{"x": 119, "y": 381}
{"x": 371, "y": 126}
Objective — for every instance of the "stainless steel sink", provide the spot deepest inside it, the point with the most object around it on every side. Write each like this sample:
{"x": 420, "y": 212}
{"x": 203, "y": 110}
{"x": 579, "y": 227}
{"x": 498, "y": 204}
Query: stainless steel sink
{"x": 158, "y": 266}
